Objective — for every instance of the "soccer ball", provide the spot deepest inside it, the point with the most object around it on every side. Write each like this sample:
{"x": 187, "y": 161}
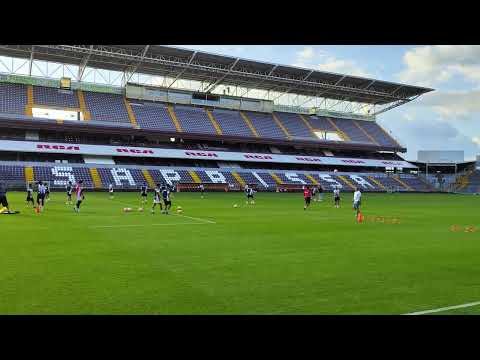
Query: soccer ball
{"x": 179, "y": 208}
{"x": 179, "y": 211}
{"x": 140, "y": 209}
{"x": 127, "y": 209}
{"x": 235, "y": 205}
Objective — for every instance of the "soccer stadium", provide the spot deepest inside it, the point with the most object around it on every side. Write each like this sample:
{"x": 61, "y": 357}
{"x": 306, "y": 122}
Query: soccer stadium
{"x": 148, "y": 179}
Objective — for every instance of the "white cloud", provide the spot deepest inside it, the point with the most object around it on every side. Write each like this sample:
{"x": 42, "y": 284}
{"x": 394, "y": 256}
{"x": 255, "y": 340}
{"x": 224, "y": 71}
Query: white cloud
{"x": 432, "y": 65}
{"x": 312, "y": 58}
{"x": 452, "y": 104}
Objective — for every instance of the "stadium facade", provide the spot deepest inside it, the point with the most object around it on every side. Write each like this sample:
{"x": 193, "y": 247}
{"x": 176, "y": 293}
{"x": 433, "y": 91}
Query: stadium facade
{"x": 61, "y": 130}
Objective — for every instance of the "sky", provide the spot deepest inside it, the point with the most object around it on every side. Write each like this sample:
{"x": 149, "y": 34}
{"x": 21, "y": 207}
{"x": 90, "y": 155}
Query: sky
{"x": 445, "y": 119}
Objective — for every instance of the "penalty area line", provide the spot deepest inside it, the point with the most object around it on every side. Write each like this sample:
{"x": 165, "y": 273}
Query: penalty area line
{"x": 431, "y": 311}
{"x": 195, "y": 218}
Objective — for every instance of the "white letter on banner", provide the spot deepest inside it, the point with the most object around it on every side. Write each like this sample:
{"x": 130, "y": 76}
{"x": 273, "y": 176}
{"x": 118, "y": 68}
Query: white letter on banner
{"x": 216, "y": 176}
{"x": 260, "y": 179}
{"x": 170, "y": 176}
{"x": 122, "y": 174}
{"x": 333, "y": 183}
{"x": 361, "y": 181}
{"x": 294, "y": 177}
{"x": 63, "y": 172}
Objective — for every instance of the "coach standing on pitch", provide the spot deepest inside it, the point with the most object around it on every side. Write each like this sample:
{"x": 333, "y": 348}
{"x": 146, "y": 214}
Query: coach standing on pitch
{"x": 3, "y": 197}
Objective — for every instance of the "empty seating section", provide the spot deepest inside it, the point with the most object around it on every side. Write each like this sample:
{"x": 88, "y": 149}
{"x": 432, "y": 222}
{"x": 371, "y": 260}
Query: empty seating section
{"x": 353, "y": 132}
{"x": 473, "y": 186}
{"x": 377, "y": 133}
{"x": 265, "y": 125}
{"x": 153, "y": 116}
{"x": 58, "y": 176}
{"x": 11, "y": 173}
{"x": 122, "y": 178}
{"x": 194, "y": 120}
{"x": 106, "y": 107}
{"x": 55, "y": 97}
{"x": 295, "y": 125}
{"x": 232, "y": 123}
{"x": 13, "y": 98}
{"x": 320, "y": 123}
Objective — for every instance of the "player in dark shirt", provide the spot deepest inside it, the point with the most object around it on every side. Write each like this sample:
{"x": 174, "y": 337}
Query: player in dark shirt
{"x": 143, "y": 193}
{"x": 249, "y": 193}
{"x": 69, "y": 188}
{"x": 29, "y": 198}
{"x": 166, "y": 199}
{"x": 3, "y": 198}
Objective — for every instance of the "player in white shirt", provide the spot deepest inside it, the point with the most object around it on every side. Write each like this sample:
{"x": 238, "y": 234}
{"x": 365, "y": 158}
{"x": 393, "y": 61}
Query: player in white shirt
{"x": 357, "y": 199}
{"x": 157, "y": 198}
{"x": 336, "y": 196}
{"x": 79, "y": 194}
{"x": 41, "y": 191}
{"x": 110, "y": 190}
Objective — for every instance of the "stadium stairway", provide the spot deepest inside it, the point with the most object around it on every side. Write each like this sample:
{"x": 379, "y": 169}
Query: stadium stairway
{"x": 249, "y": 123}
{"x": 307, "y": 123}
{"x": 281, "y": 126}
{"x": 378, "y": 183}
{"x": 83, "y": 106}
{"x": 215, "y": 124}
{"x": 312, "y": 179}
{"x": 29, "y": 174}
{"x": 406, "y": 186}
{"x": 30, "y": 102}
{"x": 148, "y": 177}
{"x": 339, "y": 131}
{"x": 239, "y": 179}
{"x": 130, "y": 113}
{"x": 97, "y": 181}
{"x": 276, "y": 178}
{"x": 346, "y": 181}
{"x": 174, "y": 118}
{"x": 195, "y": 176}
{"x": 366, "y": 133}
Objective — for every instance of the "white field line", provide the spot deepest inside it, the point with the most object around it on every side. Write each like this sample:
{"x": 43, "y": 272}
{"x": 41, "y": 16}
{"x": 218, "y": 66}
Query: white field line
{"x": 143, "y": 225}
{"x": 431, "y": 311}
{"x": 195, "y": 218}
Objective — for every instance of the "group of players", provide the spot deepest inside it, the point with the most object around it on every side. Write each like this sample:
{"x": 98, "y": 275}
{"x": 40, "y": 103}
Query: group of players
{"x": 43, "y": 195}
{"x": 316, "y": 192}
{"x": 162, "y": 196}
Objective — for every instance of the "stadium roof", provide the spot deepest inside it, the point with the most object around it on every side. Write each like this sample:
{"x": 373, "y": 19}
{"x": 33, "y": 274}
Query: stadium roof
{"x": 214, "y": 69}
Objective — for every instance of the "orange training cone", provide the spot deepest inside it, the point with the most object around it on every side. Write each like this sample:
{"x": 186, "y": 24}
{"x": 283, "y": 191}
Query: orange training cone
{"x": 360, "y": 217}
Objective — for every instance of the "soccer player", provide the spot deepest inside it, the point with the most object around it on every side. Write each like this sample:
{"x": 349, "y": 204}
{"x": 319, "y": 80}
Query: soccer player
{"x": 314, "y": 192}
{"x": 156, "y": 198}
{"x": 69, "y": 188}
{"x": 166, "y": 199}
{"x": 336, "y": 196}
{"x": 41, "y": 191}
{"x": 143, "y": 193}
{"x": 110, "y": 191}
{"x": 3, "y": 198}
{"x": 30, "y": 195}
{"x": 202, "y": 189}
{"x": 320, "y": 193}
{"x": 357, "y": 199}
{"x": 80, "y": 196}
{"x": 307, "y": 196}
{"x": 47, "y": 192}
{"x": 249, "y": 192}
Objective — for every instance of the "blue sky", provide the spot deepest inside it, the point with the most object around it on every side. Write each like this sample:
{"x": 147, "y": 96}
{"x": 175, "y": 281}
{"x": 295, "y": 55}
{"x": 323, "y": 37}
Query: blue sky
{"x": 445, "y": 119}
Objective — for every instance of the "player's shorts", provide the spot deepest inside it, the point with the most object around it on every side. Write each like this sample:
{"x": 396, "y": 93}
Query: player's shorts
{"x": 29, "y": 198}
{"x": 356, "y": 205}
{"x": 144, "y": 194}
{"x": 249, "y": 196}
{"x": 40, "y": 197}
{"x": 3, "y": 200}
{"x": 307, "y": 200}
{"x": 167, "y": 202}
{"x": 337, "y": 198}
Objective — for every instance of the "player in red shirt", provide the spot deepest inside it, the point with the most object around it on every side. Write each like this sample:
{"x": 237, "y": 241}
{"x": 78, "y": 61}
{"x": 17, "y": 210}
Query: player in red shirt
{"x": 307, "y": 195}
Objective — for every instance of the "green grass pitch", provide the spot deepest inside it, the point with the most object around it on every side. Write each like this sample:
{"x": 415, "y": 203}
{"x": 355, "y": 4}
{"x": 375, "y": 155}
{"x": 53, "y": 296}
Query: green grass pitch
{"x": 269, "y": 258}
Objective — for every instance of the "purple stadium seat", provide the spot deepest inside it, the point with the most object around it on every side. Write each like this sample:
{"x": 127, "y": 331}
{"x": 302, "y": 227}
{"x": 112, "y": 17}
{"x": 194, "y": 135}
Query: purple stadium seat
{"x": 13, "y": 98}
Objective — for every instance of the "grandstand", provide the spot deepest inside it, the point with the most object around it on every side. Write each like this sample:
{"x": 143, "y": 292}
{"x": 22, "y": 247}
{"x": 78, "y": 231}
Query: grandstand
{"x": 137, "y": 133}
